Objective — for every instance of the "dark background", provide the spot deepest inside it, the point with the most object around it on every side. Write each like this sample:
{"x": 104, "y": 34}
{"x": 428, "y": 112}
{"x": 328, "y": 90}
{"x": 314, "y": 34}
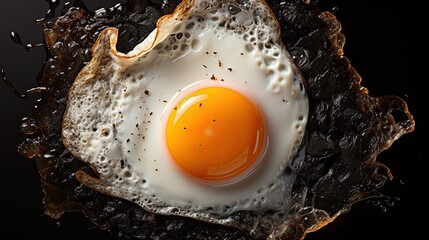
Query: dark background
{"x": 384, "y": 44}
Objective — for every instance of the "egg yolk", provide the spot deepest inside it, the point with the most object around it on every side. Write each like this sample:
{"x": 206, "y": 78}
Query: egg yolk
{"x": 215, "y": 134}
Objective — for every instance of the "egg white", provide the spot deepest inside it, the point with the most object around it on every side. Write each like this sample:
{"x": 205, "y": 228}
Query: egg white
{"x": 119, "y": 103}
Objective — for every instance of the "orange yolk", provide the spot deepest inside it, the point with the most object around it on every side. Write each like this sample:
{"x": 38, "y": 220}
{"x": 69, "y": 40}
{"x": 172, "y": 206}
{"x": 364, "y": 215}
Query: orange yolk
{"x": 216, "y": 134}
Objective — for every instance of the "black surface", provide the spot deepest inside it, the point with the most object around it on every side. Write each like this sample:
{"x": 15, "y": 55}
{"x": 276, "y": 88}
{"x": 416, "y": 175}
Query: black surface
{"x": 379, "y": 47}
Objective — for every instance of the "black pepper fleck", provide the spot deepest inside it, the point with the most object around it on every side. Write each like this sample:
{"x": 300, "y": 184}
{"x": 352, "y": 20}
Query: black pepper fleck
{"x": 146, "y": 92}
{"x": 106, "y": 133}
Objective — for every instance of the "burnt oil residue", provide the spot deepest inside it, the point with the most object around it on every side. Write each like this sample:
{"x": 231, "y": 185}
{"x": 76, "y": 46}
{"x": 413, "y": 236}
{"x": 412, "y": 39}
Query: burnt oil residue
{"x": 345, "y": 120}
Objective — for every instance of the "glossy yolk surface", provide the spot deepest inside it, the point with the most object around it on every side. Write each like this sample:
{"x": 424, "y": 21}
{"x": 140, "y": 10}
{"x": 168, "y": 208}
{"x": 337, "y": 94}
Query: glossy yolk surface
{"x": 216, "y": 134}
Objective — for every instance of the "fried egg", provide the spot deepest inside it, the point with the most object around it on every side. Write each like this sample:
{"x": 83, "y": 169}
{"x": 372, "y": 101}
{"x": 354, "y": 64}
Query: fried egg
{"x": 202, "y": 119}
